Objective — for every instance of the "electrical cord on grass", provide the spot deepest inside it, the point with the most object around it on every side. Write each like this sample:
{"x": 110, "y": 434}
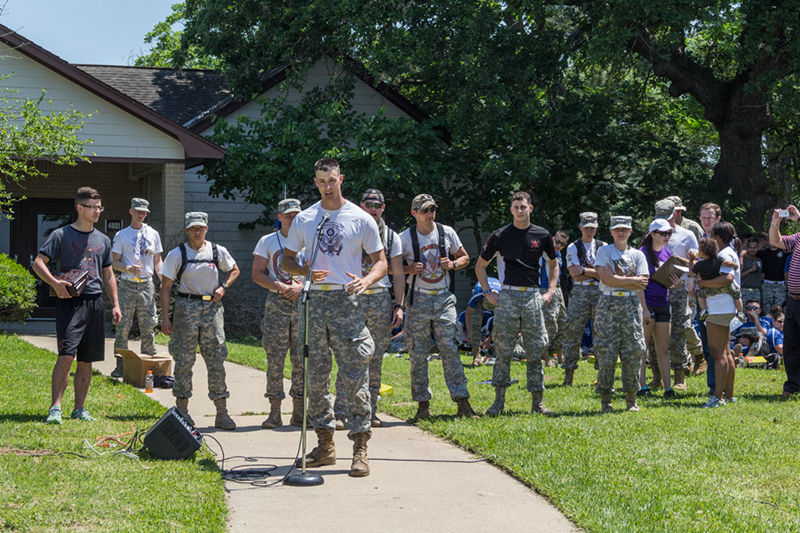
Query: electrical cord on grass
{"x": 248, "y": 473}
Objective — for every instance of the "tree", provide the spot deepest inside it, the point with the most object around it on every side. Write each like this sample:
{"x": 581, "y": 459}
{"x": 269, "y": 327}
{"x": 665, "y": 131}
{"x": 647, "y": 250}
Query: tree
{"x": 165, "y": 41}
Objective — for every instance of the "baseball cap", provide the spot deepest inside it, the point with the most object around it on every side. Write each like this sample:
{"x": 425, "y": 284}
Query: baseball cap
{"x": 588, "y": 219}
{"x": 678, "y": 203}
{"x": 660, "y": 224}
{"x": 664, "y": 208}
{"x": 372, "y": 194}
{"x": 621, "y": 221}
{"x": 421, "y": 201}
{"x": 140, "y": 204}
{"x": 195, "y": 218}
{"x": 289, "y": 205}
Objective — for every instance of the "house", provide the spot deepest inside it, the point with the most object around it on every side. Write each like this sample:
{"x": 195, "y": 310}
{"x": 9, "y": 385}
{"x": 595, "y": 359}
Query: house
{"x": 149, "y": 129}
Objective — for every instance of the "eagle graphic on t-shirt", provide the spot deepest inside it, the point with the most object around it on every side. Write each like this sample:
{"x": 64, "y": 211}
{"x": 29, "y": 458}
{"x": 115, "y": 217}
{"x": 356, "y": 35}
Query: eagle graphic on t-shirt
{"x": 431, "y": 269}
{"x": 330, "y": 239}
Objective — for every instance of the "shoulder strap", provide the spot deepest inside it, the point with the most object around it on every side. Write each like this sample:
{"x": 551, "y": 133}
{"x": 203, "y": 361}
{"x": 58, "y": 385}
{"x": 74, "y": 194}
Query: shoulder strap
{"x": 581, "y": 251}
{"x": 389, "y": 241}
{"x": 412, "y": 232}
{"x": 182, "y": 248}
{"x": 443, "y": 253}
{"x": 185, "y": 261}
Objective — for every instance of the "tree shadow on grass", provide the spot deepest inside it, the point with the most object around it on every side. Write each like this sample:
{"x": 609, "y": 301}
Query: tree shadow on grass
{"x": 22, "y": 418}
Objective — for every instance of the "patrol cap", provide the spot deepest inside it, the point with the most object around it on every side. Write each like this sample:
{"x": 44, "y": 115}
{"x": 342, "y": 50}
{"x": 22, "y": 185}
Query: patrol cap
{"x": 678, "y": 203}
{"x": 620, "y": 221}
{"x": 140, "y": 204}
{"x": 289, "y": 205}
{"x": 664, "y": 208}
{"x": 660, "y": 224}
{"x": 589, "y": 219}
{"x": 195, "y": 218}
{"x": 372, "y": 195}
{"x": 421, "y": 201}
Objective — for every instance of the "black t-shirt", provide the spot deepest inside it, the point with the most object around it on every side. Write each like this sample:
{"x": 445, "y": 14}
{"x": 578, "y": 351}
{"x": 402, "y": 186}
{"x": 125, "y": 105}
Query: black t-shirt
{"x": 708, "y": 268}
{"x": 520, "y": 250}
{"x": 773, "y": 262}
{"x": 73, "y": 249}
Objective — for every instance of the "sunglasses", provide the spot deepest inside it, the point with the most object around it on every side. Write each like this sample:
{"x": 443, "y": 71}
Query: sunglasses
{"x": 373, "y": 205}
{"x": 752, "y": 308}
{"x": 561, "y": 243}
{"x": 664, "y": 233}
{"x": 428, "y": 210}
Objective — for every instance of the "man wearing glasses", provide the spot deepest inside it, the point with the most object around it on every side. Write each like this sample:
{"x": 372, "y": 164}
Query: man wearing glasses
{"x": 431, "y": 307}
{"x": 80, "y": 320}
{"x": 682, "y": 334}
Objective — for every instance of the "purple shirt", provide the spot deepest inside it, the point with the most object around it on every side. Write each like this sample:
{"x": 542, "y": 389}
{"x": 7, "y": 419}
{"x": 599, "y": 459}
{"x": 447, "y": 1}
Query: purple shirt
{"x": 793, "y": 279}
{"x": 655, "y": 294}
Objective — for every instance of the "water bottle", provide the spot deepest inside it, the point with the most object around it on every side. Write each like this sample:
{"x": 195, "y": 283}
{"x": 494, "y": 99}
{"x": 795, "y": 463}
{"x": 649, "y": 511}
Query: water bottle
{"x": 148, "y": 382}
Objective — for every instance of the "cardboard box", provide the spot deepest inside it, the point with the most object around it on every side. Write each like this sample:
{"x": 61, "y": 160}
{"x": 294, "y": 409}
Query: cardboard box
{"x": 135, "y": 366}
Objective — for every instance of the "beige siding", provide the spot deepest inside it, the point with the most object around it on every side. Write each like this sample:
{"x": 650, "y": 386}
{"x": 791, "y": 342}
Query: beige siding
{"x": 115, "y": 132}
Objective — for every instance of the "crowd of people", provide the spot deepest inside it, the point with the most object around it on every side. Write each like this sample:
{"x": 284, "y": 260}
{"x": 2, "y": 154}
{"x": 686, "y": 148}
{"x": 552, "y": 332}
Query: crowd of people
{"x": 360, "y": 282}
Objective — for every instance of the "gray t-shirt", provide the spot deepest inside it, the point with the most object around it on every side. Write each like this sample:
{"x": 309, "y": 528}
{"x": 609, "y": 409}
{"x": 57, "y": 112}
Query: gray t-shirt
{"x": 70, "y": 249}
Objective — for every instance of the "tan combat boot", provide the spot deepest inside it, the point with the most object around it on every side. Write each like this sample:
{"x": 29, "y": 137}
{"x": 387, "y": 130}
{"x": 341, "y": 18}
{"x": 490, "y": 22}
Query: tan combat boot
{"x": 182, "y": 404}
{"x": 605, "y": 403}
{"x": 360, "y": 465}
{"x": 465, "y": 409}
{"x": 324, "y": 453}
{"x": 423, "y": 412}
{"x": 274, "y": 418}
{"x": 680, "y": 379}
{"x": 656, "y": 383}
{"x": 223, "y": 420}
{"x": 700, "y": 365}
{"x": 537, "y": 405}
{"x": 339, "y": 422}
{"x": 297, "y": 413}
{"x": 499, "y": 402}
{"x": 568, "y": 374}
{"x": 630, "y": 399}
{"x": 375, "y": 422}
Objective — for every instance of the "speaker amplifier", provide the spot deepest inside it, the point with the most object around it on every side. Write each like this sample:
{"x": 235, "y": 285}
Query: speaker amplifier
{"x": 173, "y": 437}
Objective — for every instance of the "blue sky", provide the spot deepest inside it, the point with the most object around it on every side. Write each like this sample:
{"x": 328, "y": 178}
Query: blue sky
{"x": 105, "y": 32}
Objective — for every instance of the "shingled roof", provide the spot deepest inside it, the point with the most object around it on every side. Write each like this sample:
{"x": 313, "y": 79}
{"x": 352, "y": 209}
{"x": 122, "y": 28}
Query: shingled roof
{"x": 178, "y": 95}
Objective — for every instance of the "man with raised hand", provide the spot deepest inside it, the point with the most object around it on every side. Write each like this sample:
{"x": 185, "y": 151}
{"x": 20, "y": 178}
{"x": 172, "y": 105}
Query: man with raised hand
{"x": 342, "y": 231}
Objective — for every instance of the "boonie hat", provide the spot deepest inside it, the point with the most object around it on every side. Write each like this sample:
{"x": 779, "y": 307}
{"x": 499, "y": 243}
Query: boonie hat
{"x": 678, "y": 203}
{"x": 588, "y": 219}
{"x": 140, "y": 204}
{"x": 372, "y": 194}
{"x": 289, "y": 205}
{"x": 660, "y": 224}
{"x": 421, "y": 201}
{"x": 195, "y": 218}
{"x": 620, "y": 221}
{"x": 664, "y": 208}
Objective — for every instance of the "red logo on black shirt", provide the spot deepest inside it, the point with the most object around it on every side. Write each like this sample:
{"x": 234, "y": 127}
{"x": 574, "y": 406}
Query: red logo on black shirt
{"x": 534, "y": 245}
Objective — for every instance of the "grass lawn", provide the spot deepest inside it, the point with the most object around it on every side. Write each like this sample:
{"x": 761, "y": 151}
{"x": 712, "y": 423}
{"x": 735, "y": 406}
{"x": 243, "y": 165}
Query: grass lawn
{"x": 672, "y": 466}
{"x": 50, "y": 481}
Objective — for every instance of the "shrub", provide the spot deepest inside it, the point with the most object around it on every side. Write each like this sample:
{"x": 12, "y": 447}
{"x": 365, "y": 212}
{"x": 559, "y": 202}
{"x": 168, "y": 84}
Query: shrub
{"x": 17, "y": 290}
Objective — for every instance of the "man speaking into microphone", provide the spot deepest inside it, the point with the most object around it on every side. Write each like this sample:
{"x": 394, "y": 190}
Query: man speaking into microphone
{"x": 340, "y": 230}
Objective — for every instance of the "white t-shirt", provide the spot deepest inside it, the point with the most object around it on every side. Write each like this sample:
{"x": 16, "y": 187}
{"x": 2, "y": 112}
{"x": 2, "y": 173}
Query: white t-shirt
{"x": 572, "y": 253}
{"x": 397, "y": 249}
{"x": 137, "y": 247}
{"x": 723, "y": 303}
{"x": 681, "y": 242}
{"x": 432, "y": 276}
{"x": 349, "y": 230}
{"x": 270, "y": 247}
{"x": 631, "y": 262}
{"x": 197, "y": 278}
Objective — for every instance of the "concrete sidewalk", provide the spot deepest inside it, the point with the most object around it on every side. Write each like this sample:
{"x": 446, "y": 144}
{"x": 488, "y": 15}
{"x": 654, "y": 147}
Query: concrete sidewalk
{"x": 417, "y": 481}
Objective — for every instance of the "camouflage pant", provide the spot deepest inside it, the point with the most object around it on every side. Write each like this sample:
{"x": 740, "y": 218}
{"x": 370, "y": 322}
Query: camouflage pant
{"x": 555, "y": 315}
{"x": 434, "y": 313}
{"x": 772, "y": 293}
{"x": 680, "y": 323}
{"x": 582, "y": 307}
{"x": 337, "y": 323}
{"x": 198, "y": 322}
{"x": 378, "y": 312}
{"x": 519, "y": 312}
{"x": 279, "y": 335}
{"x": 137, "y": 299}
{"x": 618, "y": 332}
{"x": 751, "y": 294}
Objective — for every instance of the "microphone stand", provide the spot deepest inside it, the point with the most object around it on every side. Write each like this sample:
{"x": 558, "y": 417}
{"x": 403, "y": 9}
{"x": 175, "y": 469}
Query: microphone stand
{"x": 304, "y": 478}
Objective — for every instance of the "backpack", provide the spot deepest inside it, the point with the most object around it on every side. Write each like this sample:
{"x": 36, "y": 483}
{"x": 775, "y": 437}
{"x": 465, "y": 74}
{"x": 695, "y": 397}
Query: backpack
{"x": 185, "y": 261}
{"x": 442, "y": 253}
{"x": 582, "y": 251}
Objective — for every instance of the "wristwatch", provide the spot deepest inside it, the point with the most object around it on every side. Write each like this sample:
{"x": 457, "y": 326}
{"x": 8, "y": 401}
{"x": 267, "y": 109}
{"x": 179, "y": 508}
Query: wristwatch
{"x": 399, "y": 306}
{"x": 224, "y": 286}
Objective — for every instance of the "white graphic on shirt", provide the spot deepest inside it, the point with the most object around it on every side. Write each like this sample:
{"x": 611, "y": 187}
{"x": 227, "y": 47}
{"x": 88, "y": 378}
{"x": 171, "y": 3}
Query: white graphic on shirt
{"x": 431, "y": 271}
{"x": 330, "y": 241}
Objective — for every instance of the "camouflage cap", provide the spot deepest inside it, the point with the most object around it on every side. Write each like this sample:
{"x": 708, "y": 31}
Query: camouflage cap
{"x": 372, "y": 194}
{"x": 421, "y": 201}
{"x": 621, "y": 221}
{"x": 664, "y": 208}
{"x": 140, "y": 204}
{"x": 195, "y": 218}
{"x": 289, "y": 205}
{"x": 589, "y": 219}
{"x": 678, "y": 203}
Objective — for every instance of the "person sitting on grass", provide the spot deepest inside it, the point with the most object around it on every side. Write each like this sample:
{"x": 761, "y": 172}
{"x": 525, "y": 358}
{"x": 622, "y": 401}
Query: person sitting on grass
{"x": 708, "y": 268}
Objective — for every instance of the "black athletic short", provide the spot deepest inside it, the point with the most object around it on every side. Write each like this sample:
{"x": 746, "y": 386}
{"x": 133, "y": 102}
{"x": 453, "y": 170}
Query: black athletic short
{"x": 81, "y": 328}
{"x": 660, "y": 313}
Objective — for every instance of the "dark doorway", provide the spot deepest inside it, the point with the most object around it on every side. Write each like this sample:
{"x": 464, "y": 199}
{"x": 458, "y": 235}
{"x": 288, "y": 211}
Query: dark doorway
{"x": 34, "y": 221}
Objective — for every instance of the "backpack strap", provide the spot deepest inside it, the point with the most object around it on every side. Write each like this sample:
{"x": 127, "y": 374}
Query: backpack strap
{"x": 412, "y": 231}
{"x": 581, "y": 251}
{"x": 443, "y": 253}
{"x": 185, "y": 261}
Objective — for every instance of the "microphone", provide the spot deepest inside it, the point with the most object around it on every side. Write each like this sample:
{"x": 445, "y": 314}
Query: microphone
{"x": 322, "y": 222}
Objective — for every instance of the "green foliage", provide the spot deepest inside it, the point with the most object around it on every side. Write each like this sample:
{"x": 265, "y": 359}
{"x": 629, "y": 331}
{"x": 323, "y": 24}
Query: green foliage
{"x": 165, "y": 42}
{"x": 28, "y": 134}
{"x": 17, "y": 290}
